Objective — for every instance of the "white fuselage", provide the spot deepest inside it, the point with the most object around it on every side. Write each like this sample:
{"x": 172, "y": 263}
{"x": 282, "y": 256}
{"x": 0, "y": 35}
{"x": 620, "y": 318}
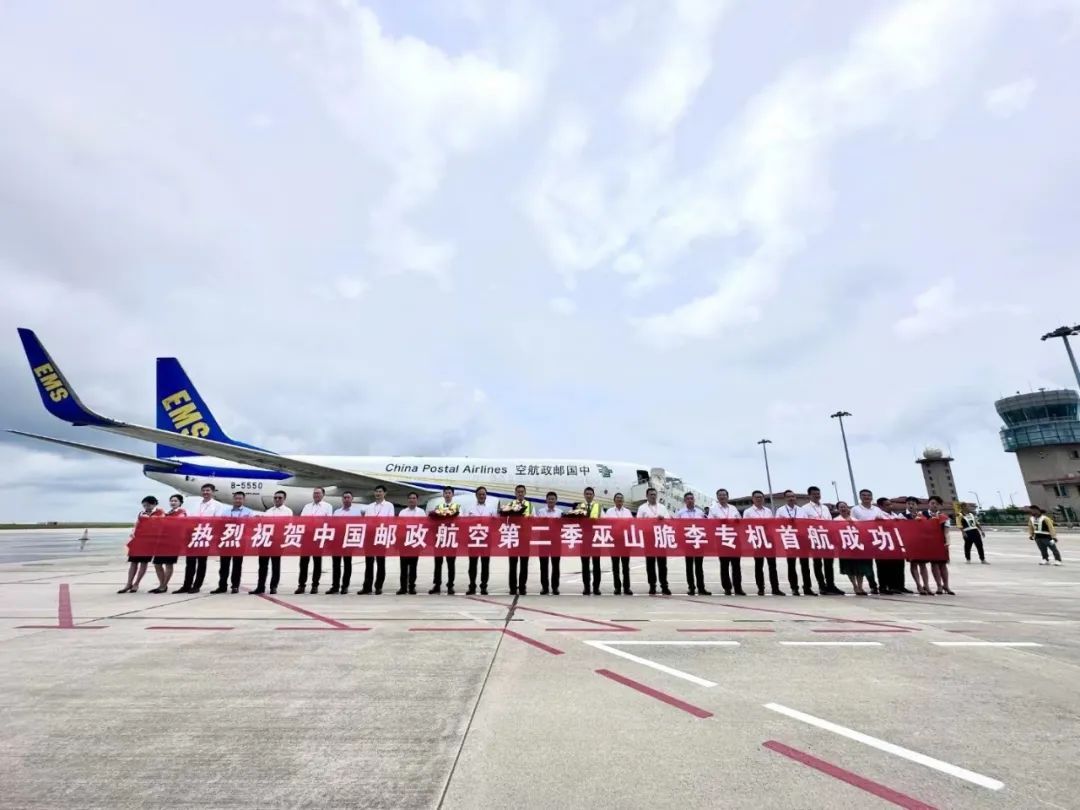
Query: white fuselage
{"x": 428, "y": 475}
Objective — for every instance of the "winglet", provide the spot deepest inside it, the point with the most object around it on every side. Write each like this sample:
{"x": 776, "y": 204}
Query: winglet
{"x": 56, "y": 392}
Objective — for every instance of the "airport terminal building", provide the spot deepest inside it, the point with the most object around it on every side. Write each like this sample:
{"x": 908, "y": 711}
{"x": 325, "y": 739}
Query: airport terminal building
{"x": 1043, "y": 429}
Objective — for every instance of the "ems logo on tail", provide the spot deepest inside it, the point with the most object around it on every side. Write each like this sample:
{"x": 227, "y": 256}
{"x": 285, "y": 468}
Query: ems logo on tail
{"x": 51, "y": 382}
{"x": 185, "y": 415}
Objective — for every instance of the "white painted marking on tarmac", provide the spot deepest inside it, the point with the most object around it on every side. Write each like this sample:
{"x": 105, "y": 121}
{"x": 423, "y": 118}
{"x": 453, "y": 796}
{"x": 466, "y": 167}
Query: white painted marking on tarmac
{"x": 889, "y": 748}
{"x": 985, "y": 644}
{"x": 678, "y": 673}
{"x": 672, "y": 643}
{"x": 830, "y": 643}
{"x": 471, "y": 617}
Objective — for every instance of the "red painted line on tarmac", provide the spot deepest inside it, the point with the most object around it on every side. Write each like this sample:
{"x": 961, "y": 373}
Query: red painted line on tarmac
{"x": 663, "y": 697}
{"x": 455, "y": 629}
{"x": 865, "y": 630}
{"x": 867, "y": 622}
{"x": 538, "y": 644}
{"x": 327, "y": 629}
{"x": 63, "y": 610}
{"x": 64, "y": 620}
{"x": 608, "y": 625}
{"x": 591, "y": 629}
{"x": 184, "y": 627}
{"x": 305, "y": 612}
{"x": 861, "y": 782}
{"x": 724, "y": 630}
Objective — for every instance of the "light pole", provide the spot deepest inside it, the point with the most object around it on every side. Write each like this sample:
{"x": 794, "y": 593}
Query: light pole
{"x": 768, "y": 476}
{"x": 977, "y": 501}
{"x": 851, "y": 476}
{"x": 1001, "y": 498}
{"x": 1064, "y": 332}
{"x": 837, "y": 491}
{"x": 1012, "y": 499}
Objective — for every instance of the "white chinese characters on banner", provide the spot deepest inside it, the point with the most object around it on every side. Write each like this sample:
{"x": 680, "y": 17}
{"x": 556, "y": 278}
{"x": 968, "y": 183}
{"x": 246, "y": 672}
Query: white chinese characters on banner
{"x": 263, "y": 536}
{"x": 355, "y": 534}
{"x": 230, "y": 538}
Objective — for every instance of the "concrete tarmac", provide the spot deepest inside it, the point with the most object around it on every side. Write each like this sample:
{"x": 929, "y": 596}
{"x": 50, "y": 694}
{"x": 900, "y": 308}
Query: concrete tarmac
{"x": 138, "y": 700}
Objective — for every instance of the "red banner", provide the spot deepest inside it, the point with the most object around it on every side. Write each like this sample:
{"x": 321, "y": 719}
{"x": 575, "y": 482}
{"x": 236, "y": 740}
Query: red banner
{"x": 537, "y": 537}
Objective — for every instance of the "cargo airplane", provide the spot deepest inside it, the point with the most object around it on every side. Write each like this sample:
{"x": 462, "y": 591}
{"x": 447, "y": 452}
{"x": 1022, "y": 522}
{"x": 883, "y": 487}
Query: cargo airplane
{"x": 192, "y": 450}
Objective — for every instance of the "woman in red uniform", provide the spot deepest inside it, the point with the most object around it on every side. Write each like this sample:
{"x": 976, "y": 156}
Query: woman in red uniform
{"x": 137, "y": 565}
{"x": 163, "y": 565}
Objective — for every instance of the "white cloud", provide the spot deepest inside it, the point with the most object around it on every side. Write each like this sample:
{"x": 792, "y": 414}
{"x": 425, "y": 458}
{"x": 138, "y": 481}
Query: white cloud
{"x": 936, "y": 308}
{"x": 1007, "y": 100}
{"x": 351, "y": 288}
{"x": 563, "y": 306}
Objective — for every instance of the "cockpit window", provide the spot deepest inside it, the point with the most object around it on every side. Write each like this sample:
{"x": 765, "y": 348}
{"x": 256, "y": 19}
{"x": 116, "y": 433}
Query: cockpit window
{"x": 643, "y": 476}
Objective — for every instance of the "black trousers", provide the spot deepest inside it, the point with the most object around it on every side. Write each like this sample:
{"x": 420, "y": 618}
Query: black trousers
{"x": 731, "y": 574}
{"x": 194, "y": 572}
{"x": 407, "y": 573}
{"x": 316, "y": 574}
{"x": 695, "y": 573}
{"x": 485, "y": 570}
{"x": 376, "y": 566}
{"x": 824, "y": 574}
{"x": 656, "y": 566}
{"x": 973, "y": 538}
{"x": 585, "y": 568}
{"x": 518, "y": 580}
{"x": 336, "y": 564}
{"x": 451, "y": 567}
{"x": 553, "y": 563}
{"x": 274, "y": 564}
{"x": 624, "y": 564}
{"x": 793, "y": 576}
{"x": 891, "y": 574}
{"x": 224, "y": 564}
{"x": 759, "y": 573}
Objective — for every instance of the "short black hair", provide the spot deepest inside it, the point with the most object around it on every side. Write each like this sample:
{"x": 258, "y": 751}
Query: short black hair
{"x": 757, "y": 492}
{"x": 379, "y": 487}
{"x": 444, "y": 489}
{"x": 1038, "y": 508}
{"x": 150, "y": 499}
{"x": 321, "y": 489}
{"x": 868, "y": 492}
{"x": 178, "y": 497}
{"x": 477, "y": 490}
{"x": 721, "y": 490}
{"x": 239, "y": 492}
{"x": 812, "y": 489}
{"x": 936, "y": 499}
{"x": 590, "y": 489}
{"x": 208, "y": 484}
{"x": 519, "y": 486}
{"x": 882, "y": 500}
{"x": 788, "y": 492}
{"x": 650, "y": 489}
{"x": 346, "y": 492}
{"x": 556, "y": 494}
{"x": 281, "y": 492}
{"x": 618, "y": 495}
{"x": 912, "y": 499}
{"x": 414, "y": 494}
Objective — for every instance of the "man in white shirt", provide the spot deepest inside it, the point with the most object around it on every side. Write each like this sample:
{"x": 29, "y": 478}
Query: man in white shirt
{"x": 730, "y": 567}
{"x": 407, "y": 565}
{"x": 695, "y": 566}
{"x": 552, "y": 512}
{"x": 622, "y": 585}
{"x": 519, "y": 566}
{"x": 590, "y": 581}
{"x": 863, "y": 511}
{"x": 658, "y": 564}
{"x": 195, "y": 567}
{"x": 814, "y": 509}
{"x": 272, "y": 561}
{"x": 239, "y": 510}
{"x": 317, "y": 508}
{"x": 759, "y": 511}
{"x": 380, "y": 507}
{"x": 341, "y": 564}
{"x": 791, "y": 511}
{"x": 482, "y": 508}
{"x": 451, "y": 562}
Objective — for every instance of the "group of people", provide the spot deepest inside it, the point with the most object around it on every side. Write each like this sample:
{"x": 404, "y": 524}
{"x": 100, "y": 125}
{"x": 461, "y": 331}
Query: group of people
{"x": 890, "y": 577}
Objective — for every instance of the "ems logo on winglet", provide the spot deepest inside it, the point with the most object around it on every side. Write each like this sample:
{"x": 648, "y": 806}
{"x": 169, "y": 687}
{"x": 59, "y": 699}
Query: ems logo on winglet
{"x": 185, "y": 417}
{"x": 51, "y": 382}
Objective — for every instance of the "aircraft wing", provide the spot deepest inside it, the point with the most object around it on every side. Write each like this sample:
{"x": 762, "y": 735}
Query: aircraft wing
{"x": 163, "y": 463}
{"x": 61, "y": 401}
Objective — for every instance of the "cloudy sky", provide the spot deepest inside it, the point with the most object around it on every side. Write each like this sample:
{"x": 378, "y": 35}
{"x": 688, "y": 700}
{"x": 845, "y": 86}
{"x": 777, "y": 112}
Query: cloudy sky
{"x": 651, "y": 231}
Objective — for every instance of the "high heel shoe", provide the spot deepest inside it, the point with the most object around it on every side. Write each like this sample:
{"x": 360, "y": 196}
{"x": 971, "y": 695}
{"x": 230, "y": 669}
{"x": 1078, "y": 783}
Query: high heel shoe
{"x": 125, "y": 589}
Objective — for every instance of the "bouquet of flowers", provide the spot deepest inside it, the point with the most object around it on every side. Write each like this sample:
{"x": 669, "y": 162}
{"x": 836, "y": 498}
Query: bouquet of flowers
{"x": 580, "y": 510}
{"x": 512, "y": 508}
{"x": 446, "y": 510}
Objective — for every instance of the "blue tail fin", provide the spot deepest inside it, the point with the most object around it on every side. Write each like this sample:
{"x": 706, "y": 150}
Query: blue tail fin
{"x": 180, "y": 409}
{"x": 56, "y": 392}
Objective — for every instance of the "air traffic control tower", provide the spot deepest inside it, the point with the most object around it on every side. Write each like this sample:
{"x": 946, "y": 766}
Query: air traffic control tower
{"x": 1043, "y": 429}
